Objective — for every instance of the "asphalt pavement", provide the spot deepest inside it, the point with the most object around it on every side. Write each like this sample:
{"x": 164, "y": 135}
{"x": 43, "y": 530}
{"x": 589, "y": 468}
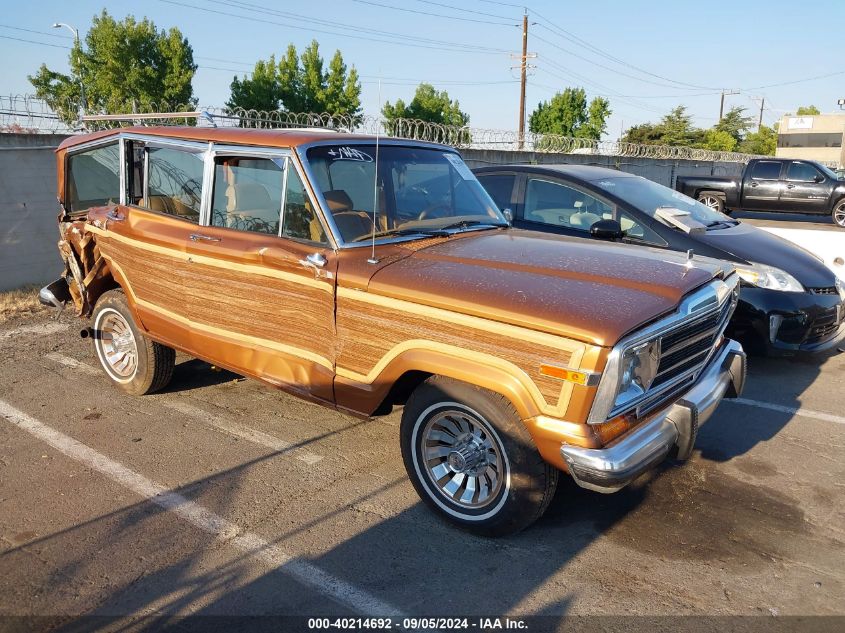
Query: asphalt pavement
{"x": 225, "y": 496}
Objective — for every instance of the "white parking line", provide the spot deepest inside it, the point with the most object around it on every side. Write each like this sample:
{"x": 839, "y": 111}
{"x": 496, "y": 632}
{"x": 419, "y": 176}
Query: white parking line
{"x": 67, "y": 361}
{"x": 50, "y": 327}
{"x": 806, "y": 413}
{"x": 199, "y": 516}
{"x": 239, "y": 430}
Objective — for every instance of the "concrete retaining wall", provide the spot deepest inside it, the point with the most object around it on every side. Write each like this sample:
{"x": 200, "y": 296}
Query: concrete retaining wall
{"x": 28, "y": 210}
{"x": 28, "y": 206}
{"x": 658, "y": 170}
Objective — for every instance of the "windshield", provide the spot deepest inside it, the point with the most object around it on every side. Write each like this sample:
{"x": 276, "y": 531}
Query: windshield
{"x": 648, "y": 197}
{"x": 418, "y": 191}
{"x": 829, "y": 172}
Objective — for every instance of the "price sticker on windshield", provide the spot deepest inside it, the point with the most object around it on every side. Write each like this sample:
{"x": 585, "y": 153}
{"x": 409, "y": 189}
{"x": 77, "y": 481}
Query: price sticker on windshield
{"x": 459, "y": 165}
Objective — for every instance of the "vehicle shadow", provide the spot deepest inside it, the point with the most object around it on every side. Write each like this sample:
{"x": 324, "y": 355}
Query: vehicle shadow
{"x": 193, "y": 374}
{"x": 737, "y": 428}
{"x": 384, "y": 543}
{"x": 801, "y": 220}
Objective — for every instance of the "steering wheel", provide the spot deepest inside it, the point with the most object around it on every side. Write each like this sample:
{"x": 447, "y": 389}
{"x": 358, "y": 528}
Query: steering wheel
{"x": 437, "y": 210}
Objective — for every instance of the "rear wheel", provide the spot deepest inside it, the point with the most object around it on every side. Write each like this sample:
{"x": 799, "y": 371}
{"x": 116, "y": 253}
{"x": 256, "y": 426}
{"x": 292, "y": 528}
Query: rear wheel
{"x": 471, "y": 459}
{"x": 712, "y": 201}
{"x": 133, "y": 362}
{"x": 838, "y": 214}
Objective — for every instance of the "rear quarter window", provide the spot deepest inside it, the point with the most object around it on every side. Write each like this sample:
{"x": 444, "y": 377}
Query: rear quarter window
{"x": 93, "y": 178}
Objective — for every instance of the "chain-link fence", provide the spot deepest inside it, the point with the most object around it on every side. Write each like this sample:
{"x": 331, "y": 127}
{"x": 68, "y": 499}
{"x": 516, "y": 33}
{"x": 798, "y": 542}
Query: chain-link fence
{"x": 25, "y": 113}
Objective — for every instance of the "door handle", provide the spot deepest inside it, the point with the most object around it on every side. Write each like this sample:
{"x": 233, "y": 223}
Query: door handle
{"x": 315, "y": 262}
{"x": 753, "y": 184}
{"x": 790, "y": 186}
{"x": 199, "y": 237}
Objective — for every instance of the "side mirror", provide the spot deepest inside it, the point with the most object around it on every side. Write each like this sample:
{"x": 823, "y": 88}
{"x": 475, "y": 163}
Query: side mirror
{"x": 508, "y": 215}
{"x": 818, "y": 178}
{"x": 607, "y": 230}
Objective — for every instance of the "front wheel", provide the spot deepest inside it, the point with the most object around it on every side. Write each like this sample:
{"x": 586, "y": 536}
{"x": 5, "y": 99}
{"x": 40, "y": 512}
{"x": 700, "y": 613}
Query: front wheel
{"x": 838, "y": 214}
{"x": 712, "y": 201}
{"x": 134, "y": 363}
{"x": 471, "y": 459}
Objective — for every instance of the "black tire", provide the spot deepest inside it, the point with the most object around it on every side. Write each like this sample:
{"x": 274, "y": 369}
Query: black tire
{"x": 712, "y": 200}
{"x": 527, "y": 483}
{"x": 153, "y": 362}
{"x": 838, "y": 213}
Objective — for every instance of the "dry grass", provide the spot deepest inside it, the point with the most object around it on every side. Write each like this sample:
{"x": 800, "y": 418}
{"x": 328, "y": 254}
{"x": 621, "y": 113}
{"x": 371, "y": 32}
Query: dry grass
{"x": 20, "y": 302}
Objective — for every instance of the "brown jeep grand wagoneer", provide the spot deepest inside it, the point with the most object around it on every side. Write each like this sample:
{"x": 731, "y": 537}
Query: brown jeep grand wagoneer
{"x": 366, "y": 273}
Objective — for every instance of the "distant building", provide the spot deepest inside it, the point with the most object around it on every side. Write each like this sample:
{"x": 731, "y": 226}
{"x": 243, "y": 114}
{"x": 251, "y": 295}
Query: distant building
{"x": 817, "y": 137}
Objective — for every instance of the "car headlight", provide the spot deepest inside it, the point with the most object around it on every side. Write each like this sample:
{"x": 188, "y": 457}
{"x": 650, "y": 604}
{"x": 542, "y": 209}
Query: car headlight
{"x": 840, "y": 286}
{"x": 769, "y": 277}
{"x": 637, "y": 370}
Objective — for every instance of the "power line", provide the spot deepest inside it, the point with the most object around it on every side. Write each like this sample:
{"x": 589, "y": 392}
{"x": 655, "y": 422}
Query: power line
{"x": 454, "y": 8}
{"x": 403, "y": 38}
{"x": 437, "y": 15}
{"x": 41, "y": 33}
{"x": 20, "y": 39}
{"x": 582, "y": 42}
{"x": 595, "y": 63}
{"x": 798, "y": 81}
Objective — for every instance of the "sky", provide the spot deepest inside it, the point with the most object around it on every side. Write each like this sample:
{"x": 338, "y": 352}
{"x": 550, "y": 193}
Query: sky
{"x": 646, "y": 57}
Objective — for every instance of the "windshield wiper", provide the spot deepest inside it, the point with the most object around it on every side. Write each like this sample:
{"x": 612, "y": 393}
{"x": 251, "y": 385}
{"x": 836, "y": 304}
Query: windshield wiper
{"x": 427, "y": 233}
{"x": 462, "y": 224}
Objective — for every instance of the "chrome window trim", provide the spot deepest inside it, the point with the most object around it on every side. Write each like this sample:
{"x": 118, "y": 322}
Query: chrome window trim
{"x": 122, "y": 167}
{"x": 697, "y": 304}
{"x": 82, "y": 147}
{"x": 336, "y": 236}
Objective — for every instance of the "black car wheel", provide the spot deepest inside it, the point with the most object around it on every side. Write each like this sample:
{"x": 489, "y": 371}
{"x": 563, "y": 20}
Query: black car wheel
{"x": 839, "y": 214}
{"x": 712, "y": 201}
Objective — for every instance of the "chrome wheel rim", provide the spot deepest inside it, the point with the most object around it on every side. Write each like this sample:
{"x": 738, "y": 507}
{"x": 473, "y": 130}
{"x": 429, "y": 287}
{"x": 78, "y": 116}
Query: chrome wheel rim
{"x": 839, "y": 215}
{"x": 710, "y": 201}
{"x": 116, "y": 345}
{"x": 463, "y": 458}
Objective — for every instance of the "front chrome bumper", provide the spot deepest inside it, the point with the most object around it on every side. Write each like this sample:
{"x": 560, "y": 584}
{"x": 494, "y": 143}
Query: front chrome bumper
{"x": 613, "y": 467}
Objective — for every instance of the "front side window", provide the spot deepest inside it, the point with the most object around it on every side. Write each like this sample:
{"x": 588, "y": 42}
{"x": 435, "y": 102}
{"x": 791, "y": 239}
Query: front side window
{"x": 413, "y": 189}
{"x": 248, "y": 194}
{"x": 93, "y": 178}
{"x": 801, "y": 171}
{"x": 559, "y": 205}
{"x": 766, "y": 170}
{"x": 300, "y": 219}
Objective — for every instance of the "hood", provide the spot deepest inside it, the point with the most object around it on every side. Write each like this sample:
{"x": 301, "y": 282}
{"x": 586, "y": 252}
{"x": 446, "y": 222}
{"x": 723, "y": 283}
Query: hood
{"x": 595, "y": 292}
{"x": 745, "y": 242}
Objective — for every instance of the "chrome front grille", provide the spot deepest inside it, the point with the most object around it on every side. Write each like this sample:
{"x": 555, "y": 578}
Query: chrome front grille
{"x": 688, "y": 347}
{"x": 687, "y": 340}
{"x": 831, "y": 290}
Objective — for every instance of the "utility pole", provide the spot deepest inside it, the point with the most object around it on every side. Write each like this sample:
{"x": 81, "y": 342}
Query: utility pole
{"x": 760, "y": 120}
{"x": 722, "y": 102}
{"x": 75, "y": 31}
{"x": 523, "y": 69}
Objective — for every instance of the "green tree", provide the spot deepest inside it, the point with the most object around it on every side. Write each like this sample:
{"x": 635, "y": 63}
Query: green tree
{"x": 676, "y": 128}
{"x": 719, "y": 140}
{"x": 299, "y": 84}
{"x": 763, "y": 142}
{"x": 808, "y": 110}
{"x": 569, "y": 114}
{"x": 126, "y": 66}
{"x": 260, "y": 91}
{"x": 427, "y": 105}
{"x": 735, "y": 124}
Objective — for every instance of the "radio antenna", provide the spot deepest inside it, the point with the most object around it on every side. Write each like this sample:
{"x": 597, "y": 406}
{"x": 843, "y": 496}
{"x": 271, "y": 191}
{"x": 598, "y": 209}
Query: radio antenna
{"x": 373, "y": 259}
